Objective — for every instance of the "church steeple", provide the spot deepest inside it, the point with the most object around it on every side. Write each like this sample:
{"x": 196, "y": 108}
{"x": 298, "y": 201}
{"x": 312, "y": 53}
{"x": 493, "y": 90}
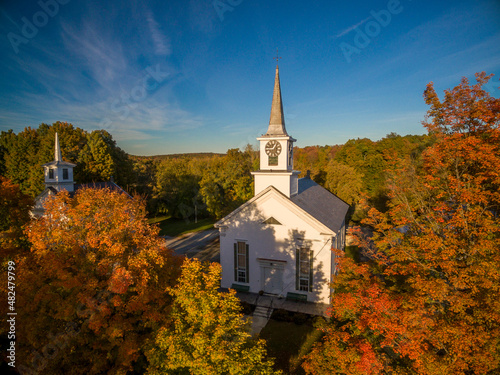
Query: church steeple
{"x": 276, "y": 151}
{"x": 59, "y": 173}
{"x": 277, "y": 120}
{"x": 57, "y": 151}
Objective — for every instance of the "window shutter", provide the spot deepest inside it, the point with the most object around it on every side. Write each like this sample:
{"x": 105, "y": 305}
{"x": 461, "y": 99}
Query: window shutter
{"x": 297, "y": 269}
{"x": 236, "y": 262}
{"x": 248, "y": 269}
{"x": 311, "y": 258}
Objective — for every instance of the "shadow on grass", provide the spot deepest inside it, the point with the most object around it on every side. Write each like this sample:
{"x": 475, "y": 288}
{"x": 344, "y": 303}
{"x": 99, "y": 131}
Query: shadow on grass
{"x": 288, "y": 342}
{"x": 175, "y": 227}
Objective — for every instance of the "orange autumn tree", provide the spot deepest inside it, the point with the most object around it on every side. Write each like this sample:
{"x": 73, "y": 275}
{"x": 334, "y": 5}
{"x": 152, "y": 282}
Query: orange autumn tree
{"x": 426, "y": 300}
{"x": 94, "y": 288}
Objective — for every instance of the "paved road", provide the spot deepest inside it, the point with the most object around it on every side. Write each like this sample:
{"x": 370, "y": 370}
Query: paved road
{"x": 202, "y": 245}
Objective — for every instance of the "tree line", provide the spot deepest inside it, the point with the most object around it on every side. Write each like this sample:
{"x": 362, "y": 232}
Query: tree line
{"x": 206, "y": 185}
{"x": 214, "y": 185}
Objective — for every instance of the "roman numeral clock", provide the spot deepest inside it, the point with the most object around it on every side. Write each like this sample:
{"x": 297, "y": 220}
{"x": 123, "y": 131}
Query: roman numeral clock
{"x": 273, "y": 149}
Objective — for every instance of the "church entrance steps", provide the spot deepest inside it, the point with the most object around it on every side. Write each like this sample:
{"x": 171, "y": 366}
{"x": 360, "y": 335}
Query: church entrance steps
{"x": 264, "y": 312}
{"x": 266, "y": 301}
{"x": 260, "y": 317}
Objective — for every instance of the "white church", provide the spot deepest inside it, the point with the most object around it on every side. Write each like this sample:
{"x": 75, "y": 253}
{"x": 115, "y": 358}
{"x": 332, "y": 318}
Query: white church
{"x": 280, "y": 241}
{"x": 59, "y": 176}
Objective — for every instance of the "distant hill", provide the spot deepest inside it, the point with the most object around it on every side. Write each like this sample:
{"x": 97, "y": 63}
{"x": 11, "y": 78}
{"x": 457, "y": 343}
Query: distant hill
{"x": 176, "y": 156}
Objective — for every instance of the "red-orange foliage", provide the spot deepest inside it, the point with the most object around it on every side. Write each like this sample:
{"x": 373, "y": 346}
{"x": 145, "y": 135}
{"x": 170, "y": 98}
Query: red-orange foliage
{"x": 427, "y": 300}
{"x": 95, "y": 286}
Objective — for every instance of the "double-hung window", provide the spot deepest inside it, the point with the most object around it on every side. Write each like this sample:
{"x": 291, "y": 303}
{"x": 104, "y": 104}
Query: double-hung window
{"x": 304, "y": 270}
{"x": 241, "y": 262}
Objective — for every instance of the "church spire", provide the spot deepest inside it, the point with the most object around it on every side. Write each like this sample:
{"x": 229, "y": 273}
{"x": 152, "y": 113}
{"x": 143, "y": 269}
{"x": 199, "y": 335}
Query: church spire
{"x": 57, "y": 151}
{"x": 276, "y": 151}
{"x": 59, "y": 173}
{"x": 277, "y": 120}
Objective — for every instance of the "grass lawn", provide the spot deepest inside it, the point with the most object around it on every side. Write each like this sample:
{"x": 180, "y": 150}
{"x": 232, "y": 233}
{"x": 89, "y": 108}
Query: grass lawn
{"x": 288, "y": 342}
{"x": 175, "y": 227}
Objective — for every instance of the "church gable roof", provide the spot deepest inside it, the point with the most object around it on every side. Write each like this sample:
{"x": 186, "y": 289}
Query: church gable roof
{"x": 324, "y": 206}
{"x": 272, "y": 193}
{"x": 59, "y": 164}
{"x": 44, "y": 194}
{"x": 101, "y": 185}
{"x": 304, "y": 210}
{"x": 38, "y": 208}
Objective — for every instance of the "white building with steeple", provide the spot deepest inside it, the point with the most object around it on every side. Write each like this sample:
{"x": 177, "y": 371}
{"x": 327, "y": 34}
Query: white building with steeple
{"x": 59, "y": 173}
{"x": 280, "y": 241}
{"x": 59, "y": 176}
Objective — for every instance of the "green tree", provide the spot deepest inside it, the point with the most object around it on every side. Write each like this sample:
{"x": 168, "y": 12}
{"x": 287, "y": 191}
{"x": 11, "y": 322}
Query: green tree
{"x": 314, "y": 159}
{"x": 347, "y": 183}
{"x": 20, "y": 157}
{"x": 15, "y": 213}
{"x": 227, "y": 182}
{"x": 362, "y": 155}
{"x": 144, "y": 171}
{"x": 177, "y": 187}
{"x": 344, "y": 181}
{"x": 96, "y": 155}
{"x": 95, "y": 161}
{"x": 209, "y": 334}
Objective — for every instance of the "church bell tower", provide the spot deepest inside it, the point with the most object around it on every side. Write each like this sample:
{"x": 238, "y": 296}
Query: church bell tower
{"x": 276, "y": 151}
{"x": 59, "y": 173}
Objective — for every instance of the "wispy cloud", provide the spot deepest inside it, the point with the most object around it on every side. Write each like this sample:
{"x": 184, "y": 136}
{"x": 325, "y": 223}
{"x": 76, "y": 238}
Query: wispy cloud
{"x": 94, "y": 75}
{"x": 161, "y": 42}
{"x": 96, "y": 50}
{"x": 146, "y": 119}
{"x": 350, "y": 28}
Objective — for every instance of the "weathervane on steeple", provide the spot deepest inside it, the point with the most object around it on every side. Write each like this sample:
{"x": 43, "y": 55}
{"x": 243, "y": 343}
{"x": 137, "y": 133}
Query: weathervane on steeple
{"x": 277, "y": 58}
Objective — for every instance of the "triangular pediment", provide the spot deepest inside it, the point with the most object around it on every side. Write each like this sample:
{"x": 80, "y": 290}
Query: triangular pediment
{"x": 271, "y": 221}
{"x": 271, "y": 193}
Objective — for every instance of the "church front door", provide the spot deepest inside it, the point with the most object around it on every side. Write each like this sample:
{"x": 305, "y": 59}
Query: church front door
{"x": 272, "y": 280}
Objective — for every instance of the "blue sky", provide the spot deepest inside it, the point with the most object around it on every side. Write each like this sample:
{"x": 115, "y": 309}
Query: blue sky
{"x": 197, "y": 75}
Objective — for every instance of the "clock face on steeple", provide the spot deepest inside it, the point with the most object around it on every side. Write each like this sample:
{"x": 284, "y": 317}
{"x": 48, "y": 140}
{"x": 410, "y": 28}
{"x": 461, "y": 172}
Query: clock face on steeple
{"x": 273, "y": 148}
